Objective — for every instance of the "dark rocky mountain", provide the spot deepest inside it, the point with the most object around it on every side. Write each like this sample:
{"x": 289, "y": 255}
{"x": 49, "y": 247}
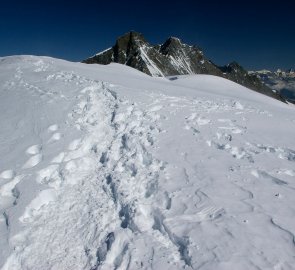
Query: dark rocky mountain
{"x": 237, "y": 73}
{"x": 173, "y": 58}
{"x": 281, "y": 81}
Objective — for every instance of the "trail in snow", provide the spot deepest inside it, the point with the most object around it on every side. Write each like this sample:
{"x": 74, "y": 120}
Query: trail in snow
{"x": 104, "y": 175}
{"x": 99, "y": 193}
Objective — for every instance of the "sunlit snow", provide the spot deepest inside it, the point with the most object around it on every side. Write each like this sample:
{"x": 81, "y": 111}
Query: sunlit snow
{"x": 104, "y": 167}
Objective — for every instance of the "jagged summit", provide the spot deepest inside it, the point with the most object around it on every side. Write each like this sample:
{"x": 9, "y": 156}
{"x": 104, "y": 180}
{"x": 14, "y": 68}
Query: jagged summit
{"x": 173, "y": 58}
{"x": 234, "y": 65}
{"x": 173, "y": 40}
{"x": 234, "y": 68}
{"x": 131, "y": 37}
{"x": 171, "y": 44}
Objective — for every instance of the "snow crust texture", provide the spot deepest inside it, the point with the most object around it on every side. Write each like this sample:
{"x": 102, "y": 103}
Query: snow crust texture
{"x": 103, "y": 167}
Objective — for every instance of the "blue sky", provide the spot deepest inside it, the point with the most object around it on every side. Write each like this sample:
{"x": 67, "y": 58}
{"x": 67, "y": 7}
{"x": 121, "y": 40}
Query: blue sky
{"x": 257, "y": 35}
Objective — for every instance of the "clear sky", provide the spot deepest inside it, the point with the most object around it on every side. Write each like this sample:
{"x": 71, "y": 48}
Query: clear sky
{"x": 257, "y": 35}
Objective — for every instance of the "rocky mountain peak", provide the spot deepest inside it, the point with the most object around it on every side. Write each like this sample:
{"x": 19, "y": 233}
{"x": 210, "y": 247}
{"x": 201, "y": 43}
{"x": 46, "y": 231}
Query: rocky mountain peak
{"x": 174, "y": 45}
{"x": 234, "y": 64}
{"x": 173, "y": 41}
{"x": 127, "y": 50}
{"x": 173, "y": 58}
{"x": 129, "y": 38}
{"x": 233, "y": 67}
{"x": 170, "y": 45}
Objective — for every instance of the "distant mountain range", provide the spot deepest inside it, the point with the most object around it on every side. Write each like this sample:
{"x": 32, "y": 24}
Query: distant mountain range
{"x": 176, "y": 58}
{"x": 281, "y": 81}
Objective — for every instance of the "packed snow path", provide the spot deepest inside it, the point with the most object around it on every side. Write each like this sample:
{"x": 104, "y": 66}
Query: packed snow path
{"x": 103, "y": 167}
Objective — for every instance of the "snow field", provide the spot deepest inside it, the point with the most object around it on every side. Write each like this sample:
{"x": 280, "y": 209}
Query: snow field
{"x": 106, "y": 168}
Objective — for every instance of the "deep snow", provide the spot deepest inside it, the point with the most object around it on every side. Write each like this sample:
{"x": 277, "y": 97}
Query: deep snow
{"x": 104, "y": 167}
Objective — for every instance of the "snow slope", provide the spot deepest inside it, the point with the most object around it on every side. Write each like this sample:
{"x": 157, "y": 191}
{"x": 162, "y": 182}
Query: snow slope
{"x": 104, "y": 167}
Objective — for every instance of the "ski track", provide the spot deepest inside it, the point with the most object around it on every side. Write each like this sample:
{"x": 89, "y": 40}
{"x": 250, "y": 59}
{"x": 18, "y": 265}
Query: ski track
{"x": 114, "y": 199}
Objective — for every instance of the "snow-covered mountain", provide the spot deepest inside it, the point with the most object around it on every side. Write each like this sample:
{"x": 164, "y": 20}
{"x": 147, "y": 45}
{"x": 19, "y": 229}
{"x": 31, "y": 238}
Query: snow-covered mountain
{"x": 170, "y": 58}
{"x": 105, "y": 167}
{"x": 281, "y": 81}
{"x": 173, "y": 58}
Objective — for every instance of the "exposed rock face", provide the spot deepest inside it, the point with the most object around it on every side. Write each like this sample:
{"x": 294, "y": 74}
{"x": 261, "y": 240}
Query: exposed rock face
{"x": 168, "y": 59}
{"x": 173, "y": 58}
{"x": 238, "y": 74}
{"x": 131, "y": 50}
{"x": 185, "y": 59}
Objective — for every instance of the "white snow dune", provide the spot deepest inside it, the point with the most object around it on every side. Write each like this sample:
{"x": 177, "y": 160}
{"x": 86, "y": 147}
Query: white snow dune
{"x": 103, "y": 167}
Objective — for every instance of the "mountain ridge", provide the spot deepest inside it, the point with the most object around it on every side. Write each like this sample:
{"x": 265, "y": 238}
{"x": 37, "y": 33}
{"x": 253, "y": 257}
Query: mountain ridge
{"x": 283, "y": 81}
{"x": 174, "y": 58}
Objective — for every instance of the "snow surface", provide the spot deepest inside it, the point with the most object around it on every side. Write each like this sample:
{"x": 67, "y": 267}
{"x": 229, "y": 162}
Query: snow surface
{"x": 104, "y": 167}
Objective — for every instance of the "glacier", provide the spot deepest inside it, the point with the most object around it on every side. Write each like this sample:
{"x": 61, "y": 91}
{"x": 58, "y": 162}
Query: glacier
{"x": 104, "y": 167}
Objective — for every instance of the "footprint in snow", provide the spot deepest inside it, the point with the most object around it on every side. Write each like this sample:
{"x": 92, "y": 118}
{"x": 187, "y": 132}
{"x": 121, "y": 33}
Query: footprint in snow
{"x": 286, "y": 172}
{"x": 156, "y": 108}
{"x": 44, "y": 198}
{"x": 7, "y": 174}
{"x": 34, "y": 149}
{"x": 74, "y": 144}
{"x": 267, "y": 176}
{"x": 237, "y": 105}
{"x": 59, "y": 158}
{"x": 7, "y": 190}
{"x": 224, "y": 120}
{"x": 55, "y": 137}
{"x": 191, "y": 117}
{"x": 202, "y": 121}
{"x": 53, "y": 128}
{"x": 231, "y": 126}
{"x": 232, "y": 129}
{"x": 33, "y": 161}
